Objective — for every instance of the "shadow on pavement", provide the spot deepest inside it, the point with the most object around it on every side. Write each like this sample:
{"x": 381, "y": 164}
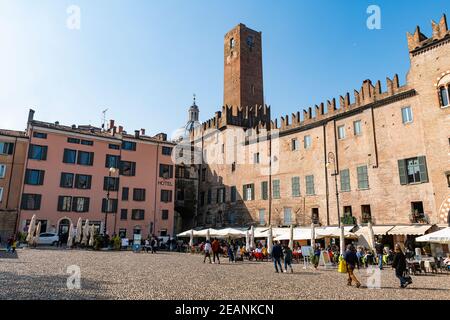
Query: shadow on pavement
{"x": 8, "y": 255}
{"x": 45, "y": 287}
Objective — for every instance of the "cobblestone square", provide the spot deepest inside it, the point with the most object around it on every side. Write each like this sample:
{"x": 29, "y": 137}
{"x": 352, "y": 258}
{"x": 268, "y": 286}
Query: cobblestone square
{"x": 42, "y": 274}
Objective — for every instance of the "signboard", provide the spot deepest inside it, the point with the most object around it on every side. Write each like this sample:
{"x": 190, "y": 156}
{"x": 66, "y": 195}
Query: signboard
{"x": 325, "y": 259}
{"x": 165, "y": 183}
{"x": 307, "y": 251}
{"x": 125, "y": 242}
{"x": 137, "y": 239}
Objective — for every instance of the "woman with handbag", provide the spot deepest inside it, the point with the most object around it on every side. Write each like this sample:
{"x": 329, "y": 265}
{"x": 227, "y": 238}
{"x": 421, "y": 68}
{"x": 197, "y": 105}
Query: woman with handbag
{"x": 399, "y": 264}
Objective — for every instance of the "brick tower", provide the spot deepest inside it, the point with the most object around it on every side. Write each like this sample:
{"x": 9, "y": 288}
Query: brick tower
{"x": 243, "y": 78}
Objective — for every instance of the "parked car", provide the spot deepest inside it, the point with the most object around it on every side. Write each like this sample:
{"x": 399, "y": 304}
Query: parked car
{"x": 48, "y": 238}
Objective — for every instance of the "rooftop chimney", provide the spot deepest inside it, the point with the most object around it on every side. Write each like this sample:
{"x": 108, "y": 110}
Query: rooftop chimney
{"x": 30, "y": 115}
{"x": 74, "y": 126}
{"x": 56, "y": 123}
{"x": 143, "y": 132}
{"x": 136, "y": 134}
{"x": 111, "y": 124}
{"x": 120, "y": 129}
{"x": 161, "y": 137}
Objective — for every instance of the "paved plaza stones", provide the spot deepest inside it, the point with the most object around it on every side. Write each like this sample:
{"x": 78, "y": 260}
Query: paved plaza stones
{"x": 41, "y": 274}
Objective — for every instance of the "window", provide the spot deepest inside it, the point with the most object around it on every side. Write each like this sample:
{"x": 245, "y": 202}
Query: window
{"x": 345, "y": 179}
{"x": 341, "y": 132}
{"x": 85, "y": 158}
{"x": 122, "y": 233}
{"x": 128, "y": 145}
{"x": 221, "y": 195}
{"x": 137, "y": 214}
{"x": 7, "y": 148}
{"x": 66, "y": 180}
{"x": 444, "y": 95}
{"x": 80, "y": 204}
{"x": 249, "y": 192}
{"x": 64, "y": 203}
{"x": 250, "y": 41}
{"x": 165, "y": 214}
{"x": 34, "y": 177}
{"x": 31, "y": 201}
{"x": 166, "y": 195}
{"x": 366, "y": 215}
{"x": 413, "y": 170}
{"x": 2, "y": 171}
{"x": 109, "y": 206}
{"x": 417, "y": 212}
{"x": 83, "y": 181}
{"x": 287, "y": 213}
{"x": 112, "y": 161}
{"x": 204, "y": 174}
{"x": 123, "y": 214}
{"x": 232, "y": 43}
{"x": 295, "y": 186}
{"x": 407, "y": 115}
{"x": 40, "y": 135}
{"x": 295, "y": 145}
{"x": 111, "y": 184}
{"x": 69, "y": 156}
{"x": 202, "y": 198}
{"x": 276, "y": 189}
{"x": 363, "y": 177}
{"x": 264, "y": 190}
{"x": 315, "y": 215}
{"x": 348, "y": 211}
{"x": 167, "y": 151}
{"x": 256, "y": 158}
{"x": 233, "y": 167}
{"x": 37, "y": 152}
{"x": 73, "y": 140}
{"x": 1, "y": 194}
{"x": 127, "y": 168}
{"x": 262, "y": 216}
{"x": 209, "y": 199}
{"x": 114, "y": 146}
{"x": 309, "y": 181}
{"x": 138, "y": 194}
{"x": 307, "y": 142}
{"x": 357, "y": 128}
{"x": 165, "y": 171}
{"x": 125, "y": 193}
{"x": 448, "y": 179}
{"x": 87, "y": 142}
{"x": 233, "y": 194}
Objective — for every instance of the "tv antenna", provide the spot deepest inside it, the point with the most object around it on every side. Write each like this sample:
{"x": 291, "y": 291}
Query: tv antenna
{"x": 104, "y": 119}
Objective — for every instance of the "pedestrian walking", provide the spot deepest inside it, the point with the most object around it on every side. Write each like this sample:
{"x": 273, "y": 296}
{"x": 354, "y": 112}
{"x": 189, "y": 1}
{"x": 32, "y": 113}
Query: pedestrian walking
{"x": 207, "y": 249}
{"x": 352, "y": 261}
{"x": 288, "y": 259}
{"x": 399, "y": 264}
{"x": 277, "y": 253}
{"x": 154, "y": 244}
{"x": 147, "y": 245}
{"x": 379, "y": 250}
{"x": 231, "y": 252}
{"x": 216, "y": 249}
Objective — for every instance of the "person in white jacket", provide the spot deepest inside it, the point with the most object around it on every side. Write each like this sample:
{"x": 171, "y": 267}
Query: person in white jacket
{"x": 208, "y": 250}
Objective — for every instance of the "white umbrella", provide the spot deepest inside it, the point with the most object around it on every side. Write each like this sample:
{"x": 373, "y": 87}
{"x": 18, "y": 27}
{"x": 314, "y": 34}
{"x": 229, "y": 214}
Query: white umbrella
{"x": 85, "y": 232}
{"x": 38, "y": 232}
{"x": 441, "y": 236}
{"x": 342, "y": 240}
{"x": 252, "y": 238}
{"x": 191, "y": 239}
{"x": 208, "y": 235}
{"x": 270, "y": 241}
{"x": 31, "y": 229}
{"x": 79, "y": 230}
{"x": 313, "y": 235}
{"x": 291, "y": 237}
{"x": 70, "y": 238}
{"x": 247, "y": 241}
{"x": 371, "y": 236}
{"x": 92, "y": 235}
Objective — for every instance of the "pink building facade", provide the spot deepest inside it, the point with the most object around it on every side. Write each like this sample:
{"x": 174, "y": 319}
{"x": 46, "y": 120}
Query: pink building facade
{"x": 98, "y": 175}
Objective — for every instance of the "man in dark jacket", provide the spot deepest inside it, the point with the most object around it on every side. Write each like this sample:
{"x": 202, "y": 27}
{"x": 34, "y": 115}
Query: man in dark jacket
{"x": 277, "y": 253}
{"x": 399, "y": 264}
{"x": 379, "y": 249}
{"x": 352, "y": 261}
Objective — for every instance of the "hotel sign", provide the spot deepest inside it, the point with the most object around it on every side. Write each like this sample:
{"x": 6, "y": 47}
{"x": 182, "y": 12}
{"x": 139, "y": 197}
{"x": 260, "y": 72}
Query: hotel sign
{"x": 165, "y": 183}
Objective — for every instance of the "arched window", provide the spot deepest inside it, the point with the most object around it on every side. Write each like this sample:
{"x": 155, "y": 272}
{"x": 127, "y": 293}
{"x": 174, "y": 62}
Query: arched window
{"x": 231, "y": 43}
{"x": 444, "y": 94}
{"x": 443, "y": 86}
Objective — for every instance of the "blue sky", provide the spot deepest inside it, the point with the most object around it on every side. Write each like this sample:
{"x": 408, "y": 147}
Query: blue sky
{"x": 143, "y": 59}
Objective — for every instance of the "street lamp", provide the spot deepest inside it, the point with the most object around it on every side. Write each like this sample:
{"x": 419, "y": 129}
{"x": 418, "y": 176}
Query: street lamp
{"x": 332, "y": 159}
{"x": 111, "y": 171}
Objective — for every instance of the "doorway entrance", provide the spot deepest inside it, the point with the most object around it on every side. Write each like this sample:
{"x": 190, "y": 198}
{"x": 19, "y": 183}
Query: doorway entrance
{"x": 63, "y": 230}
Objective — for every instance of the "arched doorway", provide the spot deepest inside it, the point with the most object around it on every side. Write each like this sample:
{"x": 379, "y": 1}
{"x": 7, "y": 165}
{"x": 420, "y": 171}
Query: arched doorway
{"x": 63, "y": 230}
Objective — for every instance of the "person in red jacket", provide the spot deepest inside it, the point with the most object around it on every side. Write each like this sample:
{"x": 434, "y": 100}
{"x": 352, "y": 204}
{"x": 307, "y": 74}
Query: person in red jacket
{"x": 216, "y": 250}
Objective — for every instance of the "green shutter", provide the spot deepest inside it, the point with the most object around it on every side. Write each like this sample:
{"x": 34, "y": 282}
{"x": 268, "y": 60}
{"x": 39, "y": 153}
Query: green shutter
{"x": 402, "y": 172}
{"x": 253, "y": 191}
{"x": 244, "y": 193}
{"x": 423, "y": 169}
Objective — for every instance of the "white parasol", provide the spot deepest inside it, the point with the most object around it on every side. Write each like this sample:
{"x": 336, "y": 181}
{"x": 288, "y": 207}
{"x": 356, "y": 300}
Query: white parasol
{"x": 38, "y": 232}
{"x": 371, "y": 236}
{"x": 291, "y": 237}
{"x": 247, "y": 241}
{"x": 313, "y": 236}
{"x": 31, "y": 229}
{"x": 92, "y": 235}
{"x": 208, "y": 235}
{"x": 70, "y": 238}
{"x": 252, "y": 238}
{"x": 342, "y": 240}
{"x": 269, "y": 241}
{"x": 191, "y": 239}
{"x": 79, "y": 231}
{"x": 85, "y": 233}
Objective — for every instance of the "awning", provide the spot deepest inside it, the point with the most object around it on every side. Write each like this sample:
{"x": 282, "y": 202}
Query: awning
{"x": 441, "y": 236}
{"x": 264, "y": 232}
{"x": 299, "y": 234}
{"x": 416, "y": 230}
{"x": 228, "y": 233}
{"x": 377, "y": 230}
{"x": 334, "y": 232}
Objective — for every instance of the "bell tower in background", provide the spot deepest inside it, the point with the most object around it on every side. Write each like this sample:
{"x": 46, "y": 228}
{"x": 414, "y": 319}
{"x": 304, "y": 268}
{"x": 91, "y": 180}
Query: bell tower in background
{"x": 243, "y": 77}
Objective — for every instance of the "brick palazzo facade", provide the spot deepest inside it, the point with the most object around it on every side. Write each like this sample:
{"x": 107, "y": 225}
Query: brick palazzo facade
{"x": 390, "y": 149}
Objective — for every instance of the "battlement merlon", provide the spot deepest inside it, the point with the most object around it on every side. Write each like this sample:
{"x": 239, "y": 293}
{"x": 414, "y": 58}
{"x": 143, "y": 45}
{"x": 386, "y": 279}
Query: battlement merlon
{"x": 418, "y": 41}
